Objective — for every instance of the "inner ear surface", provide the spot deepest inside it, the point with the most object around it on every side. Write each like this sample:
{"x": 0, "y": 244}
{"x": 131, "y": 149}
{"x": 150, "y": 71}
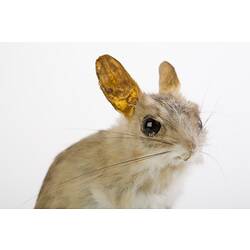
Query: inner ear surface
{"x": 117, "y": 85}
{"x": 168, "y": 82}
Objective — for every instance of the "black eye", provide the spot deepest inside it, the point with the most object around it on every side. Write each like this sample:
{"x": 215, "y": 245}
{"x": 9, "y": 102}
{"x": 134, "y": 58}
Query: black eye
{"x": 200, "y": 125}
{"x": 150, "y": 126}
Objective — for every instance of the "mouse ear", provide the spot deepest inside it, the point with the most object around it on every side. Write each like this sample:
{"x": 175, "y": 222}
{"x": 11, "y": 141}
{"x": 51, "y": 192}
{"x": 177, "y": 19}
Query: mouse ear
{"x": 117, "y": 85}
{"x": 169, "y": 82}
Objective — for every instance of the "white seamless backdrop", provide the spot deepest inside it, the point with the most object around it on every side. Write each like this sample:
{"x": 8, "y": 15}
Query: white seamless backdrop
{"x": 49, "y": 99}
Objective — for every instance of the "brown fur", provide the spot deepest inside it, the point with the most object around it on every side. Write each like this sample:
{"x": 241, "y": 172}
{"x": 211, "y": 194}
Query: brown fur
{"x": 89, "y": 174}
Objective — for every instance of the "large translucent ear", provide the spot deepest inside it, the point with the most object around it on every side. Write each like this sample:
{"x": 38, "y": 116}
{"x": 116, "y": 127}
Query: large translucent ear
{"x": 169, "y": 82}
{"x": 117, "y": 85}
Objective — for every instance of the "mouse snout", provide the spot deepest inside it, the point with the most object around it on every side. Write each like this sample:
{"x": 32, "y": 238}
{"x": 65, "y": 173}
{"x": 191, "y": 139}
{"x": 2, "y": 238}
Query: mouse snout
{"x": 190, "y": 145}
{"x": 189, "y": 149}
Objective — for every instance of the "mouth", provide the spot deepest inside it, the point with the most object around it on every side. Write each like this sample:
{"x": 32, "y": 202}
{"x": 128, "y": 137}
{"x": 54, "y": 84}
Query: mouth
{"x": 184, "y": 157}
{"x": 183, "y": 153}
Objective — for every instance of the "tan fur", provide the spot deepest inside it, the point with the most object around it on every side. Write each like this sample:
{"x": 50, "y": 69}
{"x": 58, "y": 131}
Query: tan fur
{"x": 169, "y": 82}
{"x": 89, "y": 174}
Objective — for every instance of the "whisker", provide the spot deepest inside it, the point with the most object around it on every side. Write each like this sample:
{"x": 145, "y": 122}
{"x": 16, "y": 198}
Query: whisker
{"x": 117, "y": 164}
{"x": 141, "y": 137}
{"x": 145, "y": 157}
{"x": 204, "y": 97}
{"x": 212, "y": 112}
{"x": 133, "y": 136}
{"x": 216, "y": 161}
{"x": 123, "y": 135}
{"x": 26, "y": 201}
{"x": 209, "y": 117}
{"x": 206, "y": 144}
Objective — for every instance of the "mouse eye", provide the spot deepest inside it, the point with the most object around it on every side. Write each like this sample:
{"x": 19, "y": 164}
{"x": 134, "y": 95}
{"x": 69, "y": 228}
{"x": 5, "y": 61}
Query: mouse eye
{"x": 150, "y": 126}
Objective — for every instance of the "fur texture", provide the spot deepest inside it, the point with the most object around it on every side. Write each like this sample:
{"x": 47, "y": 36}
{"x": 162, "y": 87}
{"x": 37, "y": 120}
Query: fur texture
{"x": 122, "y": 167}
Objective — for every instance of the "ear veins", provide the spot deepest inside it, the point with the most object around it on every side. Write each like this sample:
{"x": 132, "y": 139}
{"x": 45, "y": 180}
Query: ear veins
{"x": 117, "y": 85}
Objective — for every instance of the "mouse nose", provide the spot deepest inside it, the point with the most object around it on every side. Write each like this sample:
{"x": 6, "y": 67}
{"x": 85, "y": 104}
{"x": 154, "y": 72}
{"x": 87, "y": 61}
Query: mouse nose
{"x": 190, "y": 148}
{"x": 186, "y": 156}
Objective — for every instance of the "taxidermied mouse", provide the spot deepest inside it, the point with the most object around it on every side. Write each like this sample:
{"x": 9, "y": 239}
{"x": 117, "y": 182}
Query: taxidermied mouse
{"x": 139, "y": 162}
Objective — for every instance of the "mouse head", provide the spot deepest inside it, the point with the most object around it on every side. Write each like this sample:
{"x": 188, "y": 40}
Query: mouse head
{"x": 167, "y": 118}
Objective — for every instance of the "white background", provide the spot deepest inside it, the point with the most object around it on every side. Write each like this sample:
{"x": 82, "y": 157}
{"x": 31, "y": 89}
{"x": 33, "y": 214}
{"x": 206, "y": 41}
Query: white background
{"x": 49, "y": 98}
{"x": 158, "y": 20}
